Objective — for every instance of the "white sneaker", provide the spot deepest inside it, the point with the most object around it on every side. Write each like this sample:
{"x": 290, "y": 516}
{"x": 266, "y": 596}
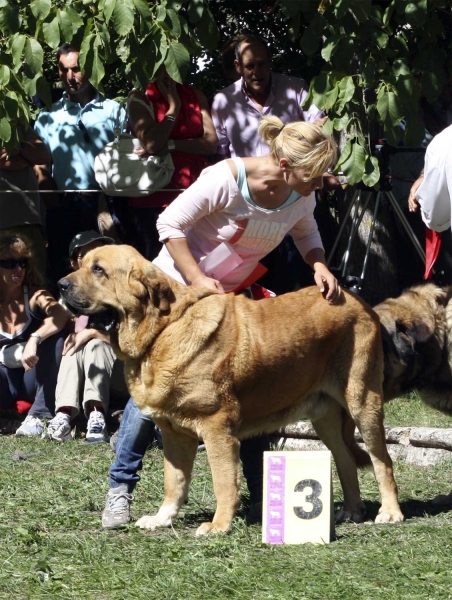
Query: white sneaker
{"x": 59, "y": 428}
{"x": 96, "y": 432}
{"x": 31, "y": 427}
{"x": 117, "y": 508}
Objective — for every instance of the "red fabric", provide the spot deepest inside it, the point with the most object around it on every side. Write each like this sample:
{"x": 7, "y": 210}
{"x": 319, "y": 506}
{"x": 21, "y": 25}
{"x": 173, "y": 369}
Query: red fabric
{"x": 256, "y": 274}
{"x": 188, "y": 125}
{"x": 432, "y": 247}
{"x": 22, "y": 406}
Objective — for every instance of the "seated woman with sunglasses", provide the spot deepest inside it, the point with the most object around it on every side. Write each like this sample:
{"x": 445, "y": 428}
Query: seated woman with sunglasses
{"x": 31, "y": 335}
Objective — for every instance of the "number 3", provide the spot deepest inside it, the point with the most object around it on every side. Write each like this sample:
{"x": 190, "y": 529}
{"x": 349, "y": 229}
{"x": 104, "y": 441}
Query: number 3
{"x": 317, "y": 505}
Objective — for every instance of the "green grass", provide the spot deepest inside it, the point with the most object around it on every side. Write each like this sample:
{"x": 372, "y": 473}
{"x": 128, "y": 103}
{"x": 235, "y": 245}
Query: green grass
{"x": 52, "y": 545}
{"x": 409, "y": 411}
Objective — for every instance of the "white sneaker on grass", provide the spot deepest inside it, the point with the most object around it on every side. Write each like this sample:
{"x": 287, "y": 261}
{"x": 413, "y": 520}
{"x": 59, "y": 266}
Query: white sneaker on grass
{"x": 96, "y": 432}
{"x": 31, "y": 427}
{"x": 59, "y": 428}
{"x": 117, "y": 508}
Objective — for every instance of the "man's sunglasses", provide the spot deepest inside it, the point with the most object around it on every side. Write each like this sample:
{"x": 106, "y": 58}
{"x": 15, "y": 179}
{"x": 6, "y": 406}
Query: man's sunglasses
{"x": 83, "y": 129}
{"x": 11, "y": 263}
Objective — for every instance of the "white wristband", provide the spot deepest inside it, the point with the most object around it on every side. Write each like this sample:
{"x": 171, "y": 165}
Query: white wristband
{"x": 37, "y": 336}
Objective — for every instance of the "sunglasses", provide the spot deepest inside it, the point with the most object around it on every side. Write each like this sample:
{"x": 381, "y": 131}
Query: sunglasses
{"x": 11, "y": 263}
{"x": 83, "y": 129}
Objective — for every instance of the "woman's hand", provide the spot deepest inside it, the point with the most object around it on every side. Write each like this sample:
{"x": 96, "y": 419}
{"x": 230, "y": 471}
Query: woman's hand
{"x": 169, "y": 92}
{"x": 140, "y": 151}
{"x": 208, "y": 282}
{"x": 328, "y": 284}
{"x": 30, "y": 356}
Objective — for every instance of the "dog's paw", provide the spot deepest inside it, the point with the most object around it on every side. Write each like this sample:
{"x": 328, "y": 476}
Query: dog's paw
{"x": 346, "y": 516}
{"x": 152, "y": 522}
{"x": 442, "y": 500}
{"x": 387, "y": 516}
{"x": 209, "y": 528}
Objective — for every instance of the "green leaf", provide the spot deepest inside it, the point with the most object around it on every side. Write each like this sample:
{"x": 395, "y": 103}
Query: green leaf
{"x": 416, "y": 13}
{"x": 432, "y": 83}
{"x": 400, "y": 67}
{"x": 109, "y": 7}
{"x": 310, "y": 41}
{"x": 327, "y": 127}
{"x": 177, "y": 61}
{"x": 318, "y": 88}
{"x": 344, "y": 54}
{"x": 345, "y": 154}
{"x": 195, "y": 10}
{"x": 330, "y": 46}
{"x": 408, "y": 90}
{"x": 97, "y": 69}
{"x": 342, "y": 122}
{"x": 17, "y": 48}
{"x": 361, "y": 9}
{"x": 10, "y": 19}
{"x": 143, "y": 8}
{"x": 346, "y": 93}
{"x": 207, "y": 30}
{"x": 40, "y": 8}
{"x": 51, "y": 33}
{"x": 34, "y": 55}
{"x": 30, "y": 84}
{"x": 173, "y": 18}
{"x": 371, "y": 171}
{"x": 340, "y": 8}
{"x": 123, "y": 16}
{"x": 75, "y": 18}
{"x": 5, "y": 75}
{"x": 393, "y": 135}
{"x": 380, "y": 38}
{"x": 12, "y": 105}
{"x": 5, "y": 129}
{"x": 414, "y": 131}
{"x": 330, "y": 98}
{"x": 161, "y": 13}
{"x": 353, "y": 167}
{"x": 368, "y": 72}
{"x": 43, "y": 89}
{"x": 65, "y": 23}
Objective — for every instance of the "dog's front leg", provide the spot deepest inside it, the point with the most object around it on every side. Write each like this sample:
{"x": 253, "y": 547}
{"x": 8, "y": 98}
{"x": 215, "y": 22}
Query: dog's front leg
{"x": 223, "y": 454}
{"x": 179, "y": 452}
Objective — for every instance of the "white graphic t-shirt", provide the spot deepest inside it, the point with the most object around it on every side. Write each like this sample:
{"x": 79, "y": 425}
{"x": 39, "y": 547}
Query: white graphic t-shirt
{"x": 213, "y": 211}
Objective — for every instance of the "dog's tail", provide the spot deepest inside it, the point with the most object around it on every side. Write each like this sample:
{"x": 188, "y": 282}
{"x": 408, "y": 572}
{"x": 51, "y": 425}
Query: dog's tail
{"x": 360, "y": 455}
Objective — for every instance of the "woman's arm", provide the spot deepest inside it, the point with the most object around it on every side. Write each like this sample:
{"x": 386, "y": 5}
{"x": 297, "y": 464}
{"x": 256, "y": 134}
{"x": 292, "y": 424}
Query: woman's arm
{"x": 31, "y": 151}
{"x": 182, "y": 256}
{"x": 154, "y": 136}
{"x": 55, "y": 319}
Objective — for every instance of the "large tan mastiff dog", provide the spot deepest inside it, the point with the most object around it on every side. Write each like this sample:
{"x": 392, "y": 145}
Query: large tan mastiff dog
{"x": 222, "y": 367}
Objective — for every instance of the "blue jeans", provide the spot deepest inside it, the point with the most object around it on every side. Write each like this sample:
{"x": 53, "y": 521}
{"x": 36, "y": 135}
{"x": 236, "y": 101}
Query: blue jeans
{"x": 136, "y": 433}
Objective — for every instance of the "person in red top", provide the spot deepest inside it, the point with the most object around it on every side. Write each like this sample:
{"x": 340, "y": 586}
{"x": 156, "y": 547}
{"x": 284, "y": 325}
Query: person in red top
{"x": 168, "y": 117}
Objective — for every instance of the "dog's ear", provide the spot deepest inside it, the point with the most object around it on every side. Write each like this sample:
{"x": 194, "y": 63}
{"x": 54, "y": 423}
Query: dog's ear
{"x": 144, "y": 283}
{"x": 417, "y": 330}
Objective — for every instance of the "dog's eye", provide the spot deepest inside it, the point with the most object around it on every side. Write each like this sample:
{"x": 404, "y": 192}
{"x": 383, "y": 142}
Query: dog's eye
{"x": 97, "y": 270}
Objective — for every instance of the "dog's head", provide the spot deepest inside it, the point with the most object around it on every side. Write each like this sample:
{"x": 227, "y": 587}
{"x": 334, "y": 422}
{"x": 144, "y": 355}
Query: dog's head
{"x": 126, "y": 295}
{"x": 414, "y": 330}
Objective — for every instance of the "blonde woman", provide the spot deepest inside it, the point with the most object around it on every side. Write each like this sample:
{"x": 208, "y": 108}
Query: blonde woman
{"x": 232, "y": 216}
{"x": 249, "y": 204}
{"x": 31, "y": 337}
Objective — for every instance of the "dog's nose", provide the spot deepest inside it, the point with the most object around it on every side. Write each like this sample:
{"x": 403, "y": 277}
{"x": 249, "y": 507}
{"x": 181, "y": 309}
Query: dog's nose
{"x": 64, "y": 284}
